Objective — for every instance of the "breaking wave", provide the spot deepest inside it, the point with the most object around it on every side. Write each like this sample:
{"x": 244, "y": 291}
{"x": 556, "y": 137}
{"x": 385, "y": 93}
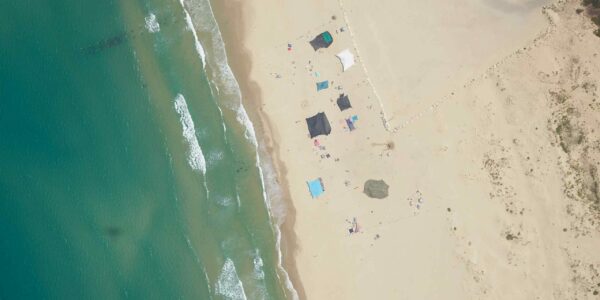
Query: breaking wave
{"x": 258, "y": 265}
{"x": 228, "y": 91}
{"x": 151, "y": 23}
{"x": 258, "y": 277}
{"x": 195, "y": 156}
{"x": 190, "y": 27}
{"x": 225, "y": 83}
{"x": 229, "y": 284}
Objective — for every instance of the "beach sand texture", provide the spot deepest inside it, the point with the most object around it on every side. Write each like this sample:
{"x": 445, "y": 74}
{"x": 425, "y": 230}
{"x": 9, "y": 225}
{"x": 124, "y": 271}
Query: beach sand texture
{"x": 481, "y": 117}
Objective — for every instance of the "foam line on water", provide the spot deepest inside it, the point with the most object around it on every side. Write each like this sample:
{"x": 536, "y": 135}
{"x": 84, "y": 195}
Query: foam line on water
{"x": 195, "y": 156}
{"x": 229, "y": 284}
{"x": 197, "y": 44}
{"x": 197, "y": 258}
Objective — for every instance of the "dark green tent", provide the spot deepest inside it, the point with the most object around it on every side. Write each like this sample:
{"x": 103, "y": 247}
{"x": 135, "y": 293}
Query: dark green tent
{"x": 376, "y": 188}
{"x": 322, "y": 40}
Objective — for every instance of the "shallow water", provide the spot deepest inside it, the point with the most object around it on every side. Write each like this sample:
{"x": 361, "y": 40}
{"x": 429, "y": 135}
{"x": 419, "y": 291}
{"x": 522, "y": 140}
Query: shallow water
{"x": 127, "y": 170}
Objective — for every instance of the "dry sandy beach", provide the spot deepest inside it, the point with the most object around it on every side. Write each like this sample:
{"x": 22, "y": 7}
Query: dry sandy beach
{"x": 480, "y": 115}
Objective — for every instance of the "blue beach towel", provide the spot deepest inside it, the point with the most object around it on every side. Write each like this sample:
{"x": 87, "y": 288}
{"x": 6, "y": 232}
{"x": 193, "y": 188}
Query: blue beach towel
{"x": 315, "y": 187}
{"x": 322, "y": 85}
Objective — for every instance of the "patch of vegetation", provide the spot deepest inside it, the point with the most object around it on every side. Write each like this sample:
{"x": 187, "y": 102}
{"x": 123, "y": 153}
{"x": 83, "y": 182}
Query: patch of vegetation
{"x": 587, "y": 179}
{"x": 593, "y": 3}
{"x": 593, "y": 10}
{"x": 588, "y": 86}
{"x": 559, "y": 97}
{"x": 494, "y": 169}
{"x": 568, "y": 134}
{"x": 594, "y": 193}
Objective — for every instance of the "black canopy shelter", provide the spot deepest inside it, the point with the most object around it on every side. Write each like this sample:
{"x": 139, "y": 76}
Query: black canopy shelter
{"x": 322, "y": 40}
{"x": 318, "y": 125}
{"x": 343, "y": 102}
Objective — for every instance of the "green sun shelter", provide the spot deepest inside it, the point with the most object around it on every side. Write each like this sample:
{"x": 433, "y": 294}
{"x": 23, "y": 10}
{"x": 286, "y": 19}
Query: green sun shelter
{"x": 323, "y": 40}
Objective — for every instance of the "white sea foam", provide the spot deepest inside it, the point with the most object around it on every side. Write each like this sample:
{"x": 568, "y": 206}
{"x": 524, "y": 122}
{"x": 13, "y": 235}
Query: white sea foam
{"x": 195, "y": 156}
{"x": 151, "y": 23}
{"x": 190, "y": 26}
{"x": 214, "y": 157}
{"x": 258, "y": 265}
{"x": 229, "y": 284}
{"x": 259, "y": 290}
{"x": 223, "y": 200}
{"x": 242, "y": 117}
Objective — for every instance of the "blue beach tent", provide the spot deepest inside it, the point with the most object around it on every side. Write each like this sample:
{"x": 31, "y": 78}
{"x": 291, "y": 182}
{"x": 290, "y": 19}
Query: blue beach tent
{"x": 316, "y": 187}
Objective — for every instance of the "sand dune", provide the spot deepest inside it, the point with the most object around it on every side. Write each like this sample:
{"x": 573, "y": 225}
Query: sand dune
{"x": 420, "y": 51}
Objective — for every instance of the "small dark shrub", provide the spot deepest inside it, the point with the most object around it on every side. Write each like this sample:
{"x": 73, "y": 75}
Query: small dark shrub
{"x": 594, "y": 3}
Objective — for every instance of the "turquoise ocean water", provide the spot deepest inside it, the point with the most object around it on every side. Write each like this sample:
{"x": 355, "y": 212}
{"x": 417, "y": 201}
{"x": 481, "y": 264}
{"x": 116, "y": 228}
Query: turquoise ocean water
{"x": 128, "y": 167}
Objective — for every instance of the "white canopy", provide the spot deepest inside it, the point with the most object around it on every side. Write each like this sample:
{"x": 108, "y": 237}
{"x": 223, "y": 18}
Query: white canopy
{"x": 347, "y": 59}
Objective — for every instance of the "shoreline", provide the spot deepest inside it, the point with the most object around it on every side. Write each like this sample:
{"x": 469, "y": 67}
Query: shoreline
{"x": 461, "y": 178}
{"x": 232, "y": 31}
